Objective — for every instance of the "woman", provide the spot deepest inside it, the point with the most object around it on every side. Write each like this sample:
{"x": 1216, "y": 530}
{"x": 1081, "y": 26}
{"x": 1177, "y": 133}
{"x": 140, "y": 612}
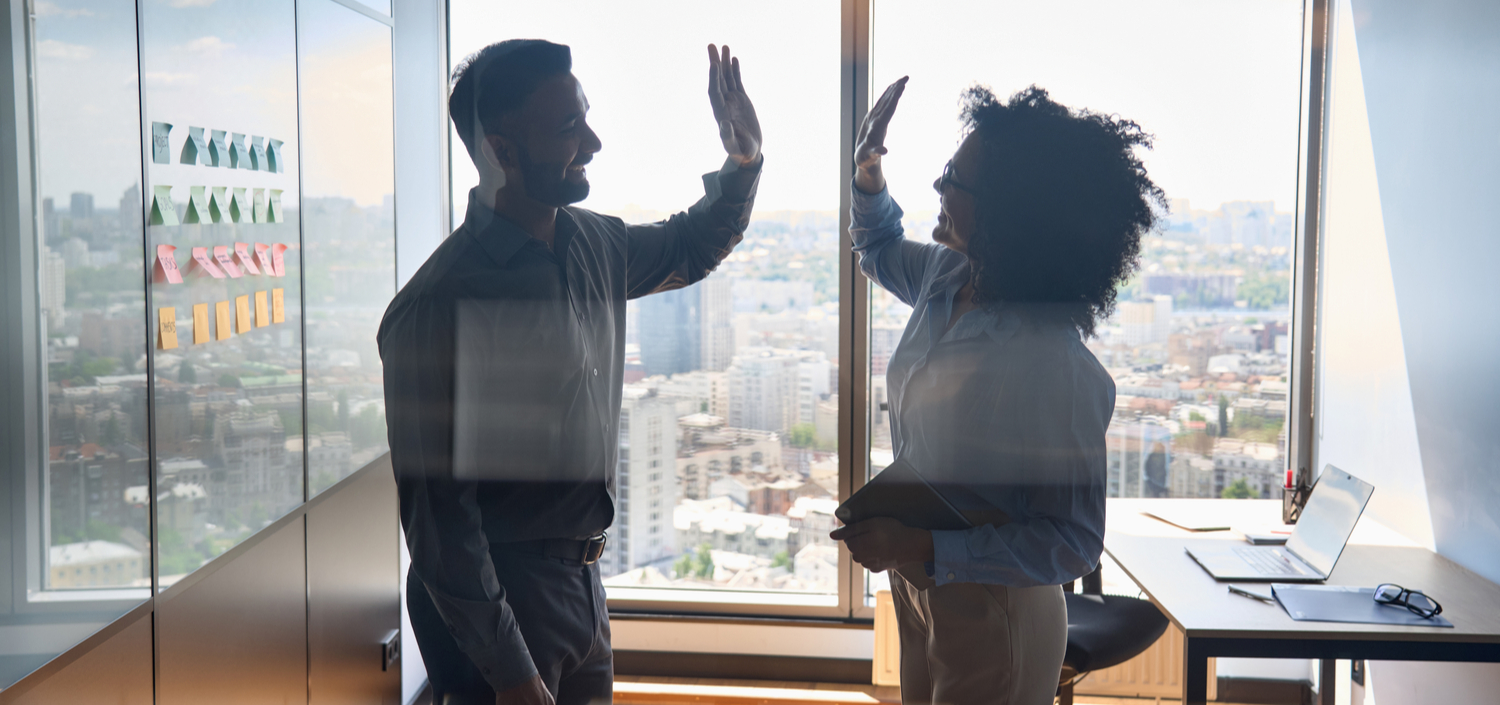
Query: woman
{"x": 994, "y": 397}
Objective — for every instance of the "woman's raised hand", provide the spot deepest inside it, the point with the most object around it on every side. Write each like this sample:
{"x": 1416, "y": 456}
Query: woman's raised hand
{"x": 870, "y": 144}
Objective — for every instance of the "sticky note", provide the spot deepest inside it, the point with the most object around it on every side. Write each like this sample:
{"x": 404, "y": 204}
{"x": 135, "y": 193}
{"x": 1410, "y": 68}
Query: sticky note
{"x": 239, "y": 157}
{"x": 222, "y": 320}
{"x": 218, "y": 149}
{"x": 205, "y": 263}
{"x": 260, "y": 205}
{"x": 263, "y": 253}
{"x": 197, "y": 207}
{"x": 166, "y": 328}
{"x": 277, "y": 260}
{"x": 163, "y": 211}
{"x": 278, "y": 306}
{"x": 161, "y": 147}
{"x": 242, "y": 252}
{"x": 200, "y": 324}
{"x": 273, "y": 158}
{"x": 239, "y": 208}
{"x": 242, "y": 321}
{"x": 195, "y": 148}
{"x": 262, "y": 310}
{"x": 225, "y": 259}
{"x": 218, "y": 204}
{"x": 166, "y": 266}
{"x": 258, "y": 153}
{"x": 273, "y": 206}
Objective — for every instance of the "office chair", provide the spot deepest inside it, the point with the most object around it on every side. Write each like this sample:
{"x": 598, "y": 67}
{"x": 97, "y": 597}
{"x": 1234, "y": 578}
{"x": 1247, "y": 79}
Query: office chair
{"x": 1104, "y": 631}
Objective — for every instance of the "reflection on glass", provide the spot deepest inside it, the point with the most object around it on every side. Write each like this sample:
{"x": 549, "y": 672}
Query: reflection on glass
{"x": 86, "y": 532}
{"x": 228, "y": 409}
{"x": 728, "y": 463}
{"x": 1198, "y": 344}
{"x": 348, "y": 217}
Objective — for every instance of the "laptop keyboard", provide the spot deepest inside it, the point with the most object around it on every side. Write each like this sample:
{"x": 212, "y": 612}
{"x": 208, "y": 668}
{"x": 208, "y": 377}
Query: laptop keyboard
{"x": 1266, "y": 562}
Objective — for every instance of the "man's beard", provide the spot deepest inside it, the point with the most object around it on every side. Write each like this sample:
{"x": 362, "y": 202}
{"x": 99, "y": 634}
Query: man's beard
{"x": 549, "y": 190}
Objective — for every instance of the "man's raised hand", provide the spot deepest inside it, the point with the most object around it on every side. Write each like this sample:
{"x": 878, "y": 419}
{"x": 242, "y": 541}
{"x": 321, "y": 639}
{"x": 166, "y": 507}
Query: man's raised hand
{"x": 870, "y": 143}
{"x": 738, "y": 127}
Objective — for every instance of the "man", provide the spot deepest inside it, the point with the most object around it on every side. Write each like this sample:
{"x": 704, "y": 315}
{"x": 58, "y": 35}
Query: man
{"x": 504, "y": 357}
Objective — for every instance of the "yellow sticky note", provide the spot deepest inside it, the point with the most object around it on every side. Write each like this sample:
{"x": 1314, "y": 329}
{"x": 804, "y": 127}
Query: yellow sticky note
{"x": 278, "y": 307}
{"x": 262, "y": 311}
{"x": 200, "y": 324}
{"x": 166, "y": 328}
{"x": 242, "y": 314}
{"x": 222, "y": 322}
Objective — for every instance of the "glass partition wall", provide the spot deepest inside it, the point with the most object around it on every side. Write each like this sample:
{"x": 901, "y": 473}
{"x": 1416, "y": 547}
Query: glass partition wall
{"x": 180, "y": 403}
{"x": 1199, "y": 344}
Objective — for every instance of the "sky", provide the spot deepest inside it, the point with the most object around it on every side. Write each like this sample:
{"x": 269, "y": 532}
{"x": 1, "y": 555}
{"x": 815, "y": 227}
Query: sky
{"x": 1217, "y": 82}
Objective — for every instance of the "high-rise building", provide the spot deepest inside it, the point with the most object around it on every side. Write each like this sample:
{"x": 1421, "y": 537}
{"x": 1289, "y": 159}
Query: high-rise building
{"x": 773, "y": 389}
{"x": 54, "y": 286}
{"x": 671, "y": 331}
{"x": 716, "y": 326}
{"x": 646, "y": 483}
{"x": 81, "y": 206}
{"x": 1147, "y": 322}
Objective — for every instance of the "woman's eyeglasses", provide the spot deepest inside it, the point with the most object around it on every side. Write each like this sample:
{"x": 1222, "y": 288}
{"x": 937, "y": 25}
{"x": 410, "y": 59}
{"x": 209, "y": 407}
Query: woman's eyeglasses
{"x": 1414, "y": 600}
{"x": 948, "y": 180}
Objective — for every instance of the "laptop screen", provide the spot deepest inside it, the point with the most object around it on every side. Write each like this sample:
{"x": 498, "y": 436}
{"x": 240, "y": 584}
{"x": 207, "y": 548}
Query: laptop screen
{"x": 1328, "y": 518}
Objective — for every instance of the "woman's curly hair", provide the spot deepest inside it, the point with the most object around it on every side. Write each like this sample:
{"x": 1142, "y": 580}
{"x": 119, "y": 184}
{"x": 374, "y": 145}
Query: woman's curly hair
{"x": 1062, "y": 204}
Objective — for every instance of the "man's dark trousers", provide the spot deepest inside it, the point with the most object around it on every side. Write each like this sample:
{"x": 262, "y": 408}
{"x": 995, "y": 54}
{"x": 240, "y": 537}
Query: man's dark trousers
{"x": 560, "y": 608}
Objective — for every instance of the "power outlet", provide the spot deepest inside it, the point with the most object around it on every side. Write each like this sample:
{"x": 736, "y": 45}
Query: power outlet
{"x": 390, "y": 650}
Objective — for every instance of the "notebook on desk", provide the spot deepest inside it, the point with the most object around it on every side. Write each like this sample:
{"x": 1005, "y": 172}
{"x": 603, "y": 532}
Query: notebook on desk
{"x": 1341, "y": 603}
{"x": 901, "y": 493}
{"x": 1314, "y": 547}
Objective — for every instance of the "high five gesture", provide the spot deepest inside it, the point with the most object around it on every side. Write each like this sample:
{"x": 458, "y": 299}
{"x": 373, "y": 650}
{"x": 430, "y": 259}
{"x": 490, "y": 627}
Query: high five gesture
{"x": 870, "y": 143}
{"x": 738, "y": 127}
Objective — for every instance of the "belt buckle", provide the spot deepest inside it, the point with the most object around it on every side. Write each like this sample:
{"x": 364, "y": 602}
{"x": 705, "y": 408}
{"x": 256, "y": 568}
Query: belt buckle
{"x": 593, "y": 548}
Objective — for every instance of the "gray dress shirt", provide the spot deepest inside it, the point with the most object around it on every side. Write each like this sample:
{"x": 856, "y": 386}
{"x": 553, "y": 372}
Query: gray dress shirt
{"x": 504, "y": 362}
{"x": 1005, "y": 414}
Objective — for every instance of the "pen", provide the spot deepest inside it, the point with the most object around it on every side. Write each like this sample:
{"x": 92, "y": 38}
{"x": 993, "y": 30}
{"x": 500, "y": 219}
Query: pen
{"x": 1251, "y": 594}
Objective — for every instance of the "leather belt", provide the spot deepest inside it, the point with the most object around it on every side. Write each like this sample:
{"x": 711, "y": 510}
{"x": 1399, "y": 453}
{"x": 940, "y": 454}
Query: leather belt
{"x": 581, "y": 551}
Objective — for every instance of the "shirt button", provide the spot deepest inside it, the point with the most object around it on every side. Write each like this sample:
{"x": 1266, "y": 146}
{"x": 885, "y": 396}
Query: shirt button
{"x": 596, "y": 372}
{"x": 950, "y": 575}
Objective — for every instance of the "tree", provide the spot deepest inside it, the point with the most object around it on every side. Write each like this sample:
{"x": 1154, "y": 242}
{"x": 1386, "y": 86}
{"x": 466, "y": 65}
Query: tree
{"x": 705, "y": 562}
{"x": 112, "y": 430}
{"x": 1239, "y": 489}
{"x": 683, "y": 568}
{"x": 803, "y": 435}
{"x": 344, "y": 410}
{"x": 186, "y": 374}
{"x": 1223, "y": 415}
{"x": 228, "y": 380}
{"x": 782, "y": 560}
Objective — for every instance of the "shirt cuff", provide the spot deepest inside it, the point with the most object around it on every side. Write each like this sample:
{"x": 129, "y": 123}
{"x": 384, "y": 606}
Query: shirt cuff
{"x": 861, "y": 202}
{"x": 950, "y": 551}
{"x": 505, "y": 665}
{"x": 735, "y": 180}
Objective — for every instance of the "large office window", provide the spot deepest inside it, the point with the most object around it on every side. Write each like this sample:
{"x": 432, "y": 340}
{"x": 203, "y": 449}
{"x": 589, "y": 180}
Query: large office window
{"x": 728, "y": 467}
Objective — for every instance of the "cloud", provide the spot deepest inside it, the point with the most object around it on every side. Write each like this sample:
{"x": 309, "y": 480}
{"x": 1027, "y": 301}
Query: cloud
{"x": 53, "y": 49}
{"x": 167, "y": 78}
{"x": 208, "y": 46}
{"x": 50, "y": 9}
{"x": 190, "y": 3}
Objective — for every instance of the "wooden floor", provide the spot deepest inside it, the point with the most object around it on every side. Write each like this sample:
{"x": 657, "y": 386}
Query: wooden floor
{"x": 631, "y": 690}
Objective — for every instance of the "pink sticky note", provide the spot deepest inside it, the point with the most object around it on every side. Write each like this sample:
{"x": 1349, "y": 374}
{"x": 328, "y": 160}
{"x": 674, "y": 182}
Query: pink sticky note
{"x": 263, "y": 253}
{"x": 200, "y": 255}
{"x": 221, "y": 254}
{"x": 242, "y": 250}
{"x": 276, "y": 258}
{"x": 166, "y": 265}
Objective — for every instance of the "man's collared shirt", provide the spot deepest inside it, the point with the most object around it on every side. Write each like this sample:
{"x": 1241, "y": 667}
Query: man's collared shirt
{"x": 504, "y": 363}
{"x": 1006, "y": 411}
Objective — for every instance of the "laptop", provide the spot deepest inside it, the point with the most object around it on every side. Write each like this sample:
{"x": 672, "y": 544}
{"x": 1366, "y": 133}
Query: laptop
{"x": 1332, "y": 510}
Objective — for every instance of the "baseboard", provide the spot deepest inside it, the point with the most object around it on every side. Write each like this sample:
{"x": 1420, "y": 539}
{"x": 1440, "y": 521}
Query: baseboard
{"x": 674, "y": 664}
{"x": 1265, "y": 691}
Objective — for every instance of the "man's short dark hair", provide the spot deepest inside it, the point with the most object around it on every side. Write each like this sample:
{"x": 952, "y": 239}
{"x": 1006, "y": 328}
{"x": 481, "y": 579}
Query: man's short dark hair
{"x": 501, "y": 77}
{"x": 1063, "y": 201}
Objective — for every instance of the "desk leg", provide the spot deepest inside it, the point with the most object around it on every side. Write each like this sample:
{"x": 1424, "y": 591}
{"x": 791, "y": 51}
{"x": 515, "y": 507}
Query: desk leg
{"x": 1194, "y": 673}
{"x": 1327, "y": 681}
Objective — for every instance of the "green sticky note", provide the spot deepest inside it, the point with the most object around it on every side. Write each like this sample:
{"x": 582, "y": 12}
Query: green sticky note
{"x": 163, "y": 212}
{"x": 260, "y": 205}
{"x": 195, "y": 149}
{"x": 218, "y": 149}
{"x": 239, "y": 157}
{"x": 239, "y": 208}
{"x": 161, "y": 147}
{"x": 273, "y": 157}
{"x": 197, "y": 207}
{"x": 258, "y": 154}
{"x": 218, "y": 204}
{"x": 273, "y": 207}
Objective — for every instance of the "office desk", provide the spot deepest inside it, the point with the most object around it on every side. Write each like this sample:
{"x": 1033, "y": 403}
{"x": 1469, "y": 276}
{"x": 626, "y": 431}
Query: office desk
{"x": 1217, "y": 623}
